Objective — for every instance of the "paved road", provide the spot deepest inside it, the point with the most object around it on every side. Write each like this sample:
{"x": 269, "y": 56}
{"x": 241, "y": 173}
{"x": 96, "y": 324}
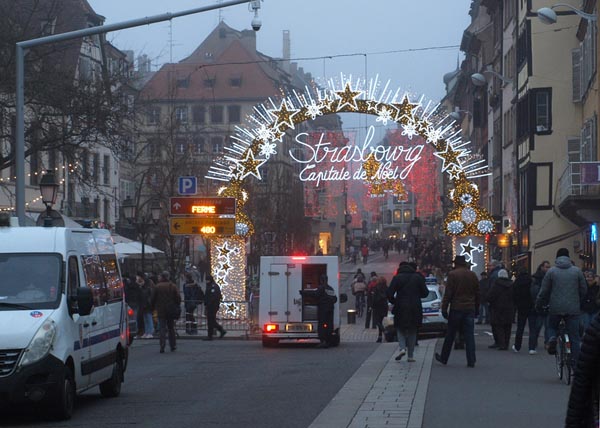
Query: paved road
{"x": 228, "y": 383}
{"x": 504, "y": 390}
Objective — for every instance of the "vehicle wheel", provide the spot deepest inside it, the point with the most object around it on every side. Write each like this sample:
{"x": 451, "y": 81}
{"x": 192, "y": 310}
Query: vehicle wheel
{"x": 269, "y": 342}
{"x": 62, "y": 408}
{"x": 112, "y": 387}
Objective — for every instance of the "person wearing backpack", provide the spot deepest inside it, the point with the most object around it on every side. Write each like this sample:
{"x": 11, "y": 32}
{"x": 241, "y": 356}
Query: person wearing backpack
{"x": 359, "y": 288}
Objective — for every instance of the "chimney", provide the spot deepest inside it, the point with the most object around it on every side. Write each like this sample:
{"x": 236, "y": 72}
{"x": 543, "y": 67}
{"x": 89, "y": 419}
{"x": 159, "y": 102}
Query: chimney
{"x": 287, "y": 47}
{"x": 249, "y": 39}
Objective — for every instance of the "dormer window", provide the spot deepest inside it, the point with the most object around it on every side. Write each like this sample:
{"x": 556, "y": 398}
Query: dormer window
{"x": 236, "y": 82}
{"x": 208, "y": 55}
{"x": 210, "y": 82}
{"x": 183, "y": 82}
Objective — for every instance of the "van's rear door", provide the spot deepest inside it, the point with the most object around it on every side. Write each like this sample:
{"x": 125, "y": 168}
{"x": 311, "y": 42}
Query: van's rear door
{"x": 278, "y": 293}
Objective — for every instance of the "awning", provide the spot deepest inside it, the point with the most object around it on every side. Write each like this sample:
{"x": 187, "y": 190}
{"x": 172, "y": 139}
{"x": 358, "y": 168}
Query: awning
{"x": 134, "y": 248}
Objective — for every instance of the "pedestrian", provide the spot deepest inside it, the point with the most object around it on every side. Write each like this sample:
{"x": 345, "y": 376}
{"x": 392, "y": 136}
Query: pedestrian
{"x": 212, "y": 302}
{"x": 500, "y": 298}
{"x": 380, "y": 305}
{"x": 459, "y": 306}
{"x": 495, "y": 267}
{"x": 563, "y": 290}
{"x": 166, "y": 300}
{"x": 405, "y": 292}
{"x": 541, "y": 314}
{"x": 523, "y": 303}
{"x": 133, "y": 295}
{"x": 589, "y": 306}
{"x": 582, "y": 411}
{"x": 369, "y": 320}
{"x": 326, "y": 300}
{"x": 484, "y": 308}
{"x": 145, "y": 304}
{"x": 193, "y": 296}
{"x": 202, "y": 269}
{"x": 364, "y": 251}
{"x": 359, "y": 289}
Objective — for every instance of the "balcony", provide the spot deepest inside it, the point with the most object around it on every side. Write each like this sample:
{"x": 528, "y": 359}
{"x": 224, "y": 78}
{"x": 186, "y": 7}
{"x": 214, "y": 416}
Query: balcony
{"x": 579, "y": 192}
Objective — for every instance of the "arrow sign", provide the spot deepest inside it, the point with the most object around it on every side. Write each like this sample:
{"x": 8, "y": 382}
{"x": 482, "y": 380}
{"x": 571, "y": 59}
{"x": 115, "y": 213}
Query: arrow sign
{"x": 202, "y": 207}
{"x": 201, "y": 226}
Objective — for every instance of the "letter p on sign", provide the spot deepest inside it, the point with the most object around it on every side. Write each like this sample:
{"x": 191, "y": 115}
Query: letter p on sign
{"x": 187, "y": 185}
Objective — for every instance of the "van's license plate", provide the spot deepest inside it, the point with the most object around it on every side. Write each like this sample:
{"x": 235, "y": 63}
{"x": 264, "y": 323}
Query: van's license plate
{"x": 298, "y": 327}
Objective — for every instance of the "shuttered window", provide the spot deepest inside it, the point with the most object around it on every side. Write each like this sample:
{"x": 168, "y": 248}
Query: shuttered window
{"x": 576, "y": 60}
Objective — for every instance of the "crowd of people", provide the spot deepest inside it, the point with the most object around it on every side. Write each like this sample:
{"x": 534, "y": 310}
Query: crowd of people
{"x": 156, "y": 302}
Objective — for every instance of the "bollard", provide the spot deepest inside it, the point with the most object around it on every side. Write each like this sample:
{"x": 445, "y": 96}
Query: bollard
{"x": 351, "y": 316}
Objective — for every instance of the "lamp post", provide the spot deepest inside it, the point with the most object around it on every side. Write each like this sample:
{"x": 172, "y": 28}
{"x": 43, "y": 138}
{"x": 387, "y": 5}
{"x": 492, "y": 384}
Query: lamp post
{"x": 456, "y": 114}
{"x": 478, "y": 79}
{"x": 548, "y": 16}
{"x": 144, "y": 223}
{"x": 415, "y": 228}
{"x": 49, "y": 191}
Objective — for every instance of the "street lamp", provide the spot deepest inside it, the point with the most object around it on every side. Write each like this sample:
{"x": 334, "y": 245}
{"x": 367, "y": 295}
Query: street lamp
{"x": 456, "y": 114}
{"x": 548, "y": 16}
{"x": 478, "y": 79}
{"x": 49, "y": 191}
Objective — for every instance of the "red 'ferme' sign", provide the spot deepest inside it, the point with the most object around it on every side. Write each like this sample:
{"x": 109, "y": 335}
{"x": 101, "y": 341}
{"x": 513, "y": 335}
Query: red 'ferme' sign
{"x": 201, "y": 207}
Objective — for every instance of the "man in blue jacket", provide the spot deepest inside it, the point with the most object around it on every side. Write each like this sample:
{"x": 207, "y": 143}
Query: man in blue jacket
{"x": 563, "y": 289}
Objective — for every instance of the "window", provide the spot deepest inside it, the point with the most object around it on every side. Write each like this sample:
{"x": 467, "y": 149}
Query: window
{"x": 588, "y": 58}
{"x": 47, "y": 26}
{"x": 183, "y": 82}
{"x": 397, "y": 216}
{"x": 216, "y": 114}
{"x": 198, "y": 145}
{"x": 85, "y": 164}
{"x": 94, "y": 278}
{"x": 210, "y": 82}
{"x": 73, "y": 280}
{"x": 234, "y": 114}
{"x": 236, "y": 82}
{"x": 198, "y": 114}
{"x": 542, "y": 109}
{"x": 96, "y": 167}
{"x": 181, "y": 114}
{"x": 106, "y": 212}
{"x": 497, "y": 143}
{"x": 153, "y": 116}
{"x": 106, "y": 170}
{"x": 522, "y": 46}
{"x": 576, "y": 77}
{"x": 523, "y": 118}
{"x": 588, "y": 140}
{"x": 217, "y": 144}
{"x": 180, "y": 146}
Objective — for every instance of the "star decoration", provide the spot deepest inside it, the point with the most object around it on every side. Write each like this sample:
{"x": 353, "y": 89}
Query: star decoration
{"x": 284, "y": 116}
{"x": 224, "y": 250}
{"x": 454, "y": 172}
{"x": 373, "y": 106}
{"x": 278, "y": 135}
{"x": 348, "y": 98}
{"x": 231, "y": 307}
{"x": 249, "y": 165}
{"x": 405, "y": 108}
{"x": 225, "y": 267}
{"x": 449, "y": 157}
{"x": 467, "y": 249}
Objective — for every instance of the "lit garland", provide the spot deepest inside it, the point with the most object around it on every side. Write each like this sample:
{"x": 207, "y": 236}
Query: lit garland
{"x": 254, "y": 147}
{"x": 228, "y": 267}
{"x": 379, "y": 187}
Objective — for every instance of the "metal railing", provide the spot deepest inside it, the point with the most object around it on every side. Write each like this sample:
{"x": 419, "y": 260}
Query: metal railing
{"x": 571, "y": 184}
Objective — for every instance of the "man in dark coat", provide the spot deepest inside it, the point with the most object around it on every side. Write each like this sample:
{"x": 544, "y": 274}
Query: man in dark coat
{"x": 462, "y": 297}
{"x": 326, "y": 299}
{"x": 484, "y": 308}
{"x": 541, "y": 314}
{"x": 405, "y": 292}
{"x": 165, "y": 299}
{"x": 524, "y": 304}
{"x": 500, "y": 298}
{"x": 212, "y": 301}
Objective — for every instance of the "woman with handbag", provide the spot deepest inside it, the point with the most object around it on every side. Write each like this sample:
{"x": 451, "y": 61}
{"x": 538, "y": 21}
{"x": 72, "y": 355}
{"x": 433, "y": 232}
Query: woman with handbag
{"x": 167, "y": 303}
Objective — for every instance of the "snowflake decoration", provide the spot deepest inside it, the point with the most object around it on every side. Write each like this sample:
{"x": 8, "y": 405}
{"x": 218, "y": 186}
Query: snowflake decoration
{"x": 385, "y": 116}
{"x": 410, "y": 129}
{"x": 265, "y": 133}
{"x": 241, "y": 229}
{"x": 485, "y": 226}
{"x": 267, "y": 149}
{"x": 468, "y": 215}
{"x": 433, "y": 134}
{"x": 466, "y": 198}
{"x": 455, "y": 227}
{"x": 314, "y": 110}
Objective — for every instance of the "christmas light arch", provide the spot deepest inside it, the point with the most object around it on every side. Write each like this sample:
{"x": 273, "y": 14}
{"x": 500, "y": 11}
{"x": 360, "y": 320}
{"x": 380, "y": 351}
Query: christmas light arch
{"x": 252, "y": 147}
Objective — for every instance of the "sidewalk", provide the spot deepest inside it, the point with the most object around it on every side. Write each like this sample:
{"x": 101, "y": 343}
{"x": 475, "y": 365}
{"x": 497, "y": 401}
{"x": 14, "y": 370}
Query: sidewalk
{"x": 383, "y": 392}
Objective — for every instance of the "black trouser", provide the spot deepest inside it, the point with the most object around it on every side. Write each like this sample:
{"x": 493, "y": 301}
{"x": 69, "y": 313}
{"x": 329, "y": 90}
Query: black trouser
{"x": 378, "y": 316}
{"x": 211, "y": 321}
{"x": 369, "y": 317}
{"x": 166, "y": 324}
{"x": 502, "y": 334}
{"x": 325, "y": 328}
{"x": 522, "y": 317}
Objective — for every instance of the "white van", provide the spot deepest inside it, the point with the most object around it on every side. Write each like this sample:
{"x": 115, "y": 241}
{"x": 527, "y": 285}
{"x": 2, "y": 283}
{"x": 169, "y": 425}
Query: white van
{"x": 63, "y": 318}
{"x": 283, "y": 313}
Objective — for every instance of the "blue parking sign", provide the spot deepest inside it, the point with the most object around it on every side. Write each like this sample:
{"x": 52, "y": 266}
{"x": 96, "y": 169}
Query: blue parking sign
{"x": 187, "y": 185}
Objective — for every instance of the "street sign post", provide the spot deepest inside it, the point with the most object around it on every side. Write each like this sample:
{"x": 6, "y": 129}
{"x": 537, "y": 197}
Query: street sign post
{"x": 201, "y": 226}
{"x": 201, "y": 206}
{"x": 187, "y": 185}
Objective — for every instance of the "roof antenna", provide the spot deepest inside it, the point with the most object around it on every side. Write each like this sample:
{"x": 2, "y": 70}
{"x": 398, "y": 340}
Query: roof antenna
{"x": 220, "y": 11}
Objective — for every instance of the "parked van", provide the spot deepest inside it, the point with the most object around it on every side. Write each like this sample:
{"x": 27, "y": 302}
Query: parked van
{"x": 283, "y": 313}
{"x": 63, "y": 317}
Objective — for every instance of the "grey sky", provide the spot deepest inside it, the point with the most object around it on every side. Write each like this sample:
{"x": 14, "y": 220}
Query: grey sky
{"x": 317, "y": 28}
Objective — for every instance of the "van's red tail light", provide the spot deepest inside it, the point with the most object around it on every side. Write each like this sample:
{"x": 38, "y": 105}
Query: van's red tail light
{"x": 130, "y": 312}
{"x": 271, "y": 328}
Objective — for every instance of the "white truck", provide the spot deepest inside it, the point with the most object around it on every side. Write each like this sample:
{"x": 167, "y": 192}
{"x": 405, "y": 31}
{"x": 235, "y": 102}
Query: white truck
{"x": 283, "y": 313}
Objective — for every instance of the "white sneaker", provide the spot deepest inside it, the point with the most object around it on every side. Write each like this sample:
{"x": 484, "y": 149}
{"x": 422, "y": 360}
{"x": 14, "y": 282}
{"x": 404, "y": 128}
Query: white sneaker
{"x": 514, "y": 349}
{"x": 532, "y": 352}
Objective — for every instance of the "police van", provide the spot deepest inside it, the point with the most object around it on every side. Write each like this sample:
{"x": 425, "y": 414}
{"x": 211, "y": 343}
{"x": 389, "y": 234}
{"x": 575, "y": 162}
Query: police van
{"x": 63, "y": 317}
{"x": 283, "y": 313}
